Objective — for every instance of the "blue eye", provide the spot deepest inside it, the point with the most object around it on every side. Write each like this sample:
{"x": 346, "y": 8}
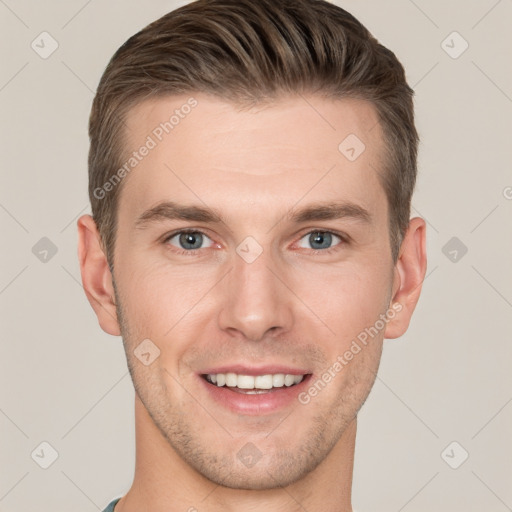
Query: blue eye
{"x": 190, "y": 240}
{"x": 319, "y": 240}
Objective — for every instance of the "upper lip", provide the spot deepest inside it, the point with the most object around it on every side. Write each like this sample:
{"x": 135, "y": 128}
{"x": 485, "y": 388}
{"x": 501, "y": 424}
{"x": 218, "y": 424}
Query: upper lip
{"x": 241, "y": 369}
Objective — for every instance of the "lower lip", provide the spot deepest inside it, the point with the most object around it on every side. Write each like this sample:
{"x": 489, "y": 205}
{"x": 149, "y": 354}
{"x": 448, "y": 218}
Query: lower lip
{"x": 255, "y": 404}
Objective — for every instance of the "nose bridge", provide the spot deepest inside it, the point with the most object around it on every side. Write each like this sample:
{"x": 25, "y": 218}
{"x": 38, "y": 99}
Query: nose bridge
{"x": 254, "y": 300}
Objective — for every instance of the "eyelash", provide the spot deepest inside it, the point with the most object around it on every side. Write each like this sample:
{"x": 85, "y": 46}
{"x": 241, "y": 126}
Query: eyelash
{"x": 194, "y": 252}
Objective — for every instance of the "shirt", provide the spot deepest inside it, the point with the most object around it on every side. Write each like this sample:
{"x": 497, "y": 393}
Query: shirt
{"x": 111, "y": 505}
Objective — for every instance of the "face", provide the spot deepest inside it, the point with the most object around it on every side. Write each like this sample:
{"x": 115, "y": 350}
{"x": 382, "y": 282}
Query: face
{"x": 252, "y": 252}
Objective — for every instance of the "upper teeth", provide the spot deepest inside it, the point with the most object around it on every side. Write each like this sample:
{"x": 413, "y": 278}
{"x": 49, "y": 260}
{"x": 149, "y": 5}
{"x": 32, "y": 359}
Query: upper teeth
{"x": 277, "y": 380}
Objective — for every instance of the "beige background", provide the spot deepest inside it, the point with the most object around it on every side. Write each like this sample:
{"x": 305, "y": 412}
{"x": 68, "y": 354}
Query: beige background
{"x": 65, "y": 382}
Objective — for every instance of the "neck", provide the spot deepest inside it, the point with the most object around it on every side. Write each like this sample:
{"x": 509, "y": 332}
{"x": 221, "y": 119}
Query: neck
{"x": 164, "y": 482}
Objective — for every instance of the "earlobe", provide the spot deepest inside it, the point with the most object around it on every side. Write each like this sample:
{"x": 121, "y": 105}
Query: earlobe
{"x": 410, "y": 272}
{"x": 96, "y": 275}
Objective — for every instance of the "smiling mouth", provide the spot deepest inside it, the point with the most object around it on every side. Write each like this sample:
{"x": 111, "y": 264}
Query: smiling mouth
{"x": 252, "y": 385}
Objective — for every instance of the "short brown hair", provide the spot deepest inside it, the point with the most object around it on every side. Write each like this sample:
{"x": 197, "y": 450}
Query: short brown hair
{"x": 247, "y": 51}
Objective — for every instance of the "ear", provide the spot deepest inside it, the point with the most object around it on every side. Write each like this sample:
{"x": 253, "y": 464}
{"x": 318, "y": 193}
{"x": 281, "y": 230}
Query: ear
{"x": 96, "y": 275}
{"x": 410, "y": 271}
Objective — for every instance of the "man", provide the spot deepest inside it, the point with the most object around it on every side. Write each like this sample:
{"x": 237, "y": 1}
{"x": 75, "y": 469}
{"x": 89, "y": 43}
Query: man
{"x": 251, "y": 171}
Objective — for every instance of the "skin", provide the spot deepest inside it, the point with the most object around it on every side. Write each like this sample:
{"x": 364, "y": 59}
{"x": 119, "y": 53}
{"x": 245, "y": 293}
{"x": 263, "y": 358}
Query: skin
{"x": 290, "y": 306}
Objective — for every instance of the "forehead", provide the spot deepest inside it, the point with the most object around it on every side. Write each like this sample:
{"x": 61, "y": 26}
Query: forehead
{"x": 201, "y": 149}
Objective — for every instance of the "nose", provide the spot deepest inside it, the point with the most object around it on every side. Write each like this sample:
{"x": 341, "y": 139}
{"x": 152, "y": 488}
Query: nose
{"x": 255, "y": 299}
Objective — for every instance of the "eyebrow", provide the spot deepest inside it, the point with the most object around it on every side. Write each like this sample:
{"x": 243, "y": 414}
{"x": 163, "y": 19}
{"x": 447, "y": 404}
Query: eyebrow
{"x": 331, "y": 211}
{"x": 169, "y": 210}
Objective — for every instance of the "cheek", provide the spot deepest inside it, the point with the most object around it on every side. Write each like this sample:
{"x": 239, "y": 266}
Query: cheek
{"x": 347, "y": 300}
{"x": 163, "y": 304}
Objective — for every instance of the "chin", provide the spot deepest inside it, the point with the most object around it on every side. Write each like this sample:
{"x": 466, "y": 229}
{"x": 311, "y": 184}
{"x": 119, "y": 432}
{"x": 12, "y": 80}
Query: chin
{"x": 257, "y": 478}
